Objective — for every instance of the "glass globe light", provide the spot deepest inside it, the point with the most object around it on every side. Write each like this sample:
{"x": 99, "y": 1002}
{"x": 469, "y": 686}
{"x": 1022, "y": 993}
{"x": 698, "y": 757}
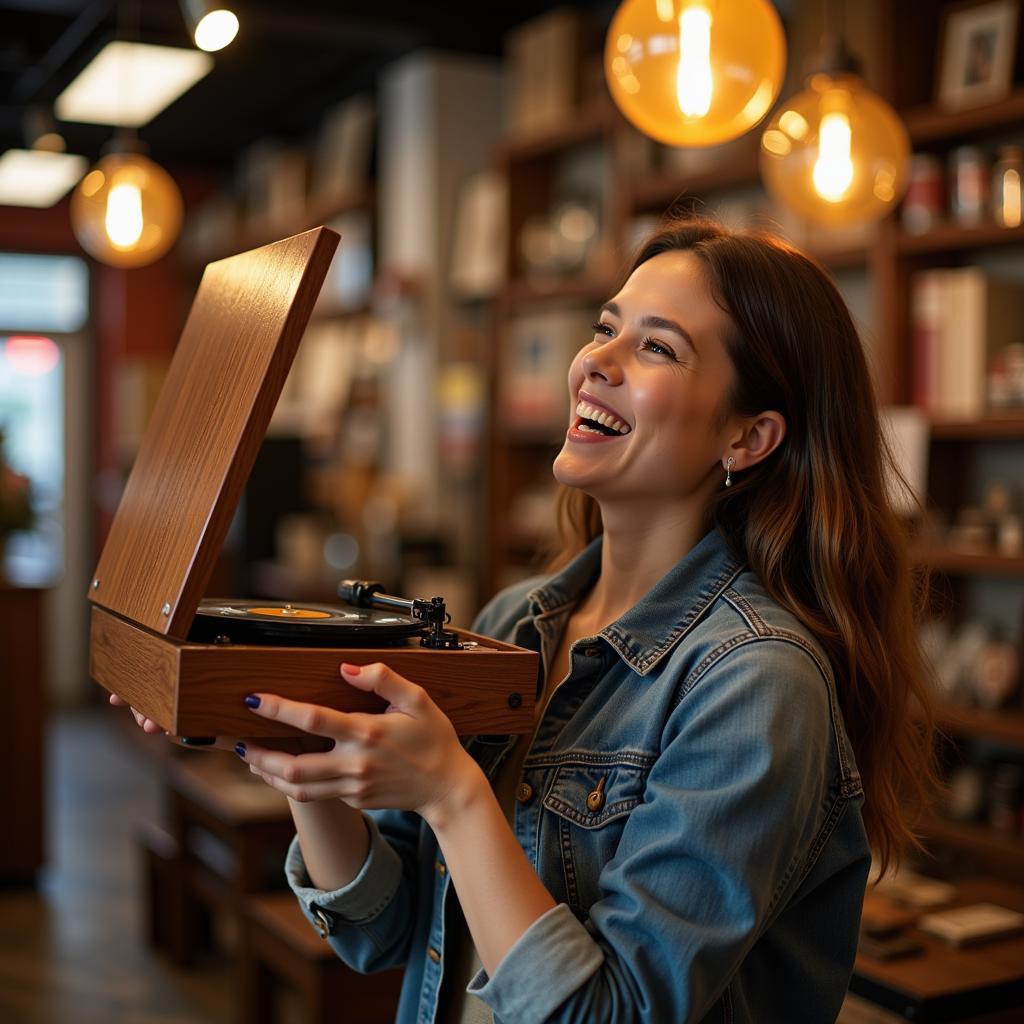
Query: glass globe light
{"x": 836, "y": 154}
{"x": 695, "y": 72}
{"x": 126, "y": 211}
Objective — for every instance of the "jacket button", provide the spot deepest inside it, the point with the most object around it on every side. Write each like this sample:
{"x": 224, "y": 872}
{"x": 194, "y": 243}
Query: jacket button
{"x": 439, "y": 867}
{"x": 592, "y": 652}
{"x": 524, "y": 791}
{"x": 321, "y": 922}
{"x": 595, "y": 798}
{"x": 434, "y": 955}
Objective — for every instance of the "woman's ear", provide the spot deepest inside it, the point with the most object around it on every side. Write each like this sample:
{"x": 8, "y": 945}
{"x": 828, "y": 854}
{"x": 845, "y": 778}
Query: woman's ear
{"x": 763, "y": 434}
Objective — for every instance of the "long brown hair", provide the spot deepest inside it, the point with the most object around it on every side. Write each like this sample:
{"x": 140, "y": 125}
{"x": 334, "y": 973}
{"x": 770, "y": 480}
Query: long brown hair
{"x": 814, "y": 519}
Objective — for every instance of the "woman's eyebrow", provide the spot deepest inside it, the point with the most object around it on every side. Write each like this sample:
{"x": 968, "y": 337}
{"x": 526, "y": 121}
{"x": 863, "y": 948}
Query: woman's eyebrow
{"x": 657, "y": 322}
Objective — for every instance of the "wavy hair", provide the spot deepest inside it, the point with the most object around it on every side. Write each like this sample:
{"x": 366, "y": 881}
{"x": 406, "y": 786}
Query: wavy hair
{"x": 814, "y": 519}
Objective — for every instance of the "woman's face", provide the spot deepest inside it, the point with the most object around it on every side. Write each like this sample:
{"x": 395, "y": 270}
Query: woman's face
{"x": 657, "y": 367}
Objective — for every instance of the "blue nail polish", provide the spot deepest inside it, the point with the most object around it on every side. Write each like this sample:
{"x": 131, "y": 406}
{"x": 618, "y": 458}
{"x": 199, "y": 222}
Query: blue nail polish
{"x": 240, "y": 749}
{"x": 252, "y": 701}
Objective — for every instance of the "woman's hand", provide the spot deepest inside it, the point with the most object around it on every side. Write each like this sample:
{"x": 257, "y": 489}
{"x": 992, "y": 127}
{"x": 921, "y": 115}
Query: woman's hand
{"x": 144, "y": 723}
{"x": 293, "y": 744}
{"x": 407, "y": 758}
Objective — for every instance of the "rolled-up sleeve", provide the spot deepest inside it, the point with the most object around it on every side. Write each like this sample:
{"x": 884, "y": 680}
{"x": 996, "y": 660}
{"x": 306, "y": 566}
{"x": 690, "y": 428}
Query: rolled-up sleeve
{"x": 369, "y": 920}
{"x": 745, "y": 782}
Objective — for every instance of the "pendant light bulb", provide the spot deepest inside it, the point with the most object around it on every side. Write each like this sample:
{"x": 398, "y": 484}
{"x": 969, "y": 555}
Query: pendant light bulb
{"x": 695, "y": 72}
{"x": 123, "y": 220}
{"x": 126, "y": 211}
{"x": 836, "y": 154}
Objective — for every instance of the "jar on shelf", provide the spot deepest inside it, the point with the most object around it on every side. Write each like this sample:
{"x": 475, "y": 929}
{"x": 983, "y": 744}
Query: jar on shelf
{"x": 968, "y": 186}
{"x": 922, "y": 207}
{"x": 1008, "y": 186}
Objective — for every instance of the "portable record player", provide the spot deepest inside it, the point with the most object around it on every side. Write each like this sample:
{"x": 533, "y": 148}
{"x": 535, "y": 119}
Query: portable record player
{"x": 186, "y": 663}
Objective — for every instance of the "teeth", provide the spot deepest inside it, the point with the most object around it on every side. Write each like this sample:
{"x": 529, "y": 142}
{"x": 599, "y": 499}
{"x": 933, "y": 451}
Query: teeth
{"x": 604, "y": 418}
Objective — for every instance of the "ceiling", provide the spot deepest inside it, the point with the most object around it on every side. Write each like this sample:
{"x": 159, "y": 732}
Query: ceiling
{"x": 292, "y": 60}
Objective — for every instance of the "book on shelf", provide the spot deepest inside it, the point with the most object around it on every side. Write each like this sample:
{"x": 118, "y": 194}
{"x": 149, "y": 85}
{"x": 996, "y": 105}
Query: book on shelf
{"x": 961, "y": 318}
{"x": 543, "y": 56}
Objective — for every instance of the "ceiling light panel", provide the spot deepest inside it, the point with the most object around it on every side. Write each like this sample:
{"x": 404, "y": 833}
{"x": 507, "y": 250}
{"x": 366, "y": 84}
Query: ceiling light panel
{"x": 30, "y": 177}
{"x": 128, "y": 84}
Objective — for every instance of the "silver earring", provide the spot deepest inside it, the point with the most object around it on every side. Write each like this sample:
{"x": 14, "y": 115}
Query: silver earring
{"x": 728, "y": 471}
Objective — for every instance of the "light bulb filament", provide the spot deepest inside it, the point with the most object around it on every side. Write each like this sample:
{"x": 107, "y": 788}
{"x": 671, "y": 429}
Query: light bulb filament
{"x": 123, "y": 221}
{"x": 833, "y": 170}
{"x": 693, "y": 75}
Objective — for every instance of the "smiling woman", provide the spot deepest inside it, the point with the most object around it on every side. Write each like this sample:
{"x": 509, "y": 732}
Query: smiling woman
{"x": 733, "y": 709}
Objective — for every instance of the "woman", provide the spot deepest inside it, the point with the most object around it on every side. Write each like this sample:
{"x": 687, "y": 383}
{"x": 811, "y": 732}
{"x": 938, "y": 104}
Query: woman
{"x": 734, "y": 711}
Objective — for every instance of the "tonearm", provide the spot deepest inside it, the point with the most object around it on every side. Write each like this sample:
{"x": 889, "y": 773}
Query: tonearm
{"x": 367, "y": 594}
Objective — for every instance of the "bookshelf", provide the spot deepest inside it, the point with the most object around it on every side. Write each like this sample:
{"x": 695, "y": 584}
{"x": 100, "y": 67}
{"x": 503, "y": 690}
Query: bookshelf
{"x": 907, "y": 44}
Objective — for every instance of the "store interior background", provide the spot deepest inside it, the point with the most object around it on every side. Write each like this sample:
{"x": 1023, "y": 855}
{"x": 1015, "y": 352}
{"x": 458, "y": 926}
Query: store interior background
{"x": 488, "y": 196}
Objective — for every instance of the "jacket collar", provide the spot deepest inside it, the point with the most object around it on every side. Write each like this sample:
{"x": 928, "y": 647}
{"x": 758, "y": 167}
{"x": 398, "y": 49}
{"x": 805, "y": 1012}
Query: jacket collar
{"x": 665, "y": 614}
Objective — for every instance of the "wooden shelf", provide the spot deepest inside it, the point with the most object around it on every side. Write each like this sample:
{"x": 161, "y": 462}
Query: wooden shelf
{"x": 841, "y": 259}
{"x": 1005, "y": 725}
{"x": 954, "y": 238}
{"x": 664, "y": 188}
{"x": 1005, "y": 852}
{"x": 964, "y": 561}
{"x": 586, "y": 125}
{"x": 333, "y": 312}
{"x": 937, "y": 124}
{"x": 316, "y": 213}
{"x": 993, "y": 428}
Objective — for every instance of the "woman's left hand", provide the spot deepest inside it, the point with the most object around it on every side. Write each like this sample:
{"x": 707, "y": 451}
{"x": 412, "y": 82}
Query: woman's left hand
{"x": 406, "y": 758}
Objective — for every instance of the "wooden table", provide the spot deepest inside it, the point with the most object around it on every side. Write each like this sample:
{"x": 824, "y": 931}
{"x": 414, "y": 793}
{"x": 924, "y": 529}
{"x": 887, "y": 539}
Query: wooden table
{"x": 976, "y": 983}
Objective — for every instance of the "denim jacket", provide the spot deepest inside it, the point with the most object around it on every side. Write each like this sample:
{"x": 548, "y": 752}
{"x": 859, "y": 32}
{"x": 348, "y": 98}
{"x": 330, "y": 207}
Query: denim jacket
{"x": 719, "y": 873}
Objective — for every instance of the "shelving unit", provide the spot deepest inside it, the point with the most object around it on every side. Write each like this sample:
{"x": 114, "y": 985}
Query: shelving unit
{"x": 908, "y": 47}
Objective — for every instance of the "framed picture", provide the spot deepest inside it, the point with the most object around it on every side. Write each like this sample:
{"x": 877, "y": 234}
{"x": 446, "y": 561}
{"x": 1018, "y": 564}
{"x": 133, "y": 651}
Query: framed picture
{"x": 977, "y": 50}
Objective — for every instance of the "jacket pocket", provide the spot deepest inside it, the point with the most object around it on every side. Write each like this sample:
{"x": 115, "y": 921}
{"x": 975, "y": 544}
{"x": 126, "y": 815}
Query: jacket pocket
{"x": 589, "y": 804}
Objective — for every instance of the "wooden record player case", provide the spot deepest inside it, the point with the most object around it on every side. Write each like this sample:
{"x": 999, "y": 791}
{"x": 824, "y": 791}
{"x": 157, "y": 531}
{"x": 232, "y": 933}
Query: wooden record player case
{"x": 235, "y": 351}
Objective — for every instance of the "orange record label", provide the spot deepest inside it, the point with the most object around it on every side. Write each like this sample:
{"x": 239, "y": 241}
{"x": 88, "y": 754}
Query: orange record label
{"x": 288, "y": 612}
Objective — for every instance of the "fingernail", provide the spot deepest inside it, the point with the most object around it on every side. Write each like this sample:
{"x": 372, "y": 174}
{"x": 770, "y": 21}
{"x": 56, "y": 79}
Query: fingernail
{"x": 240, "y": 750}
{"x": 252, "y": 701}
{"x": 352, "y": 670}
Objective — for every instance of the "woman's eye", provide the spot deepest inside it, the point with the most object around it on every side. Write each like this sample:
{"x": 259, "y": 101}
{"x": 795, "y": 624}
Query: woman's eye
{"x": 606, "y": 329}
{"x": 658, "y": 348}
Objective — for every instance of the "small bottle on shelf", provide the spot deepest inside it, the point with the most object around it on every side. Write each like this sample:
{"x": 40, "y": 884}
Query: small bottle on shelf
{"x": 1008, "y": 186}
{"x": 922, "y": 207}
{"x": 968, "y": 186}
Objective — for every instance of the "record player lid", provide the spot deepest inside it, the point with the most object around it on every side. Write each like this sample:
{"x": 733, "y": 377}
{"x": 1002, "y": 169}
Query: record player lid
{"x": 236, "y": 348}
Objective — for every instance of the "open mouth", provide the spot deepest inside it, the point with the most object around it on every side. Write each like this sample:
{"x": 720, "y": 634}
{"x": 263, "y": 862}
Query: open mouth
{"x": 594, "y": 420}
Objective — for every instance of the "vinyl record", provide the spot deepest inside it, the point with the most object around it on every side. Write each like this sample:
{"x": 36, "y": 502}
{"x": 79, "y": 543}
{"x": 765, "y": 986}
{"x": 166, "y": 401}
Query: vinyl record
{"x": 300, "y": 625}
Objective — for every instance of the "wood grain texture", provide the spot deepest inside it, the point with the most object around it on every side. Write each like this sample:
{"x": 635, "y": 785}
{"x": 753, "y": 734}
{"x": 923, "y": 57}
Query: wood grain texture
{"x": 194, "y": 689}
{"x": 139, "y": 666}
{"x": 942, "y": 970}
{"x": 235, "y": 351}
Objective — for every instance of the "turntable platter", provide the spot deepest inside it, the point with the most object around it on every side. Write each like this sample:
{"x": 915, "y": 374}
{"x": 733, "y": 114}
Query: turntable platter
{"x": 300, "y": 625}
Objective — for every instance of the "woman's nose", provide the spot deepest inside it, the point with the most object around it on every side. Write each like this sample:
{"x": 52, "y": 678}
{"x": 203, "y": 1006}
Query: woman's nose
{"x": 603, "y": 363}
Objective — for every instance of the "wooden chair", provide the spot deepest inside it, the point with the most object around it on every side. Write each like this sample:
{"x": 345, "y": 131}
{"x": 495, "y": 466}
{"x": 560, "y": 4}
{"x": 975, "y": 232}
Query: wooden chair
{"x": 280, "y": 948}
